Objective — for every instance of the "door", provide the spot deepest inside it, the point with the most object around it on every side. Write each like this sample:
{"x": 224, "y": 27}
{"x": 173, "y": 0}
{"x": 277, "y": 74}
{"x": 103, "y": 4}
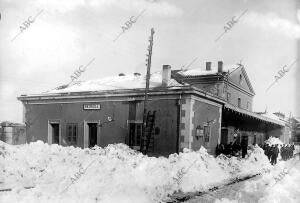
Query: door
{"x": 54, "y": 132}
{"x": 91, "y": 133}
{"x": 93, "y": 128}
{"x": 224, "y": 136}
{"x": 135, "y": 134}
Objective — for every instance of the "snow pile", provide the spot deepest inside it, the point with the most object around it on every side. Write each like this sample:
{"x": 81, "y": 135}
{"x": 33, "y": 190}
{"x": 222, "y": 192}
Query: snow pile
{"x": 113, "y": 174}
{"x": 297, "y": 149}
{"x": 286, "y": 189}
{"x": 255, "y": 163}
{"x": 281, "y": 184}
{"x": 273, "y": 141}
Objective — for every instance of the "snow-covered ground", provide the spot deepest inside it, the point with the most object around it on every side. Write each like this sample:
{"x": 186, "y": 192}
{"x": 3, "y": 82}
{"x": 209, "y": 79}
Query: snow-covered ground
{"x": 53, "y": 173}
{"x": 281, "y": 184}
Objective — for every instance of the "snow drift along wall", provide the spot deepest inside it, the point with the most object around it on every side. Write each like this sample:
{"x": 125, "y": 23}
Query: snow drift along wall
{"x": 113, "y": 174}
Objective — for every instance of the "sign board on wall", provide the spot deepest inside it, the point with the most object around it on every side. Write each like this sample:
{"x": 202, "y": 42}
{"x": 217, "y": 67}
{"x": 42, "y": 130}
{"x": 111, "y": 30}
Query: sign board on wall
{"x": 91, "y": 107}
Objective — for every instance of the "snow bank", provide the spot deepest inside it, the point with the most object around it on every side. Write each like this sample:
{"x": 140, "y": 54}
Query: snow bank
{"x": 113, "y": 174}
{"x": 281, "y": 184}
{"x": 283, "y": 190}
{"x": 297, "y": 149}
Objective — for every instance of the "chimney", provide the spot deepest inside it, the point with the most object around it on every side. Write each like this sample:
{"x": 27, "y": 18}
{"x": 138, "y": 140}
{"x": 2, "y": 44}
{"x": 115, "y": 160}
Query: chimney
{"x": 220, "y": 66}
{"x": 166, "y": 75}
{"x": 208, "y": 65}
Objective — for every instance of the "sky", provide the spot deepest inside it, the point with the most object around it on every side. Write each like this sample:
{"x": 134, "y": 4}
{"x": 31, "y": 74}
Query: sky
{"x": 68, "y": 34}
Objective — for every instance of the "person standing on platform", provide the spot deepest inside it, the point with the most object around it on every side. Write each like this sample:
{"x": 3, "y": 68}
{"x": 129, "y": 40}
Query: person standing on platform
{"x": 244, "y": 145}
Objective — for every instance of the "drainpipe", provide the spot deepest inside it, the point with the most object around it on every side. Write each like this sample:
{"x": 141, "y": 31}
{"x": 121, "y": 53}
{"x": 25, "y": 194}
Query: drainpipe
{"x": 178, "y": 124}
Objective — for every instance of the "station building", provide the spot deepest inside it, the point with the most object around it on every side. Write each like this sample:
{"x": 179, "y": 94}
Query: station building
{"x": 193, "y": 108}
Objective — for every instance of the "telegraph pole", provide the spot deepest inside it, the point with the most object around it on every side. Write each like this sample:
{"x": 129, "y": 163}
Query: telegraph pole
{"x": 149, "y": 55}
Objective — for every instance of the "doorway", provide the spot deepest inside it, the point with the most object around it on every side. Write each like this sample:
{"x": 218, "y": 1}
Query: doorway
{"x": 135, "y": 134}
{"x": 92, "y": 134}
{"x": 224, "y": 136}
{"x": 54, "y": 132}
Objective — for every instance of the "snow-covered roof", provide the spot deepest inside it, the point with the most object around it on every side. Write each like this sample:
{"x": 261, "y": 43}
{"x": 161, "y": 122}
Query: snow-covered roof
{"x": 272, "y": 116}
{"x": 253, "y": 114}
{"x": 297, "y": 119}
{"x": 130, "y": 81}
{"x": 203, "y": 71}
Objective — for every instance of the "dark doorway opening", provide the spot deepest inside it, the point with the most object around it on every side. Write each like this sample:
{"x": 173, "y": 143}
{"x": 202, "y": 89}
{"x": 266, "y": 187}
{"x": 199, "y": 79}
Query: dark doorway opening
{"x": 135, "y": 133}
{"x": 55, "y": 133}
{"x": 93, "y": 128}
{"x": 224, "y": 136}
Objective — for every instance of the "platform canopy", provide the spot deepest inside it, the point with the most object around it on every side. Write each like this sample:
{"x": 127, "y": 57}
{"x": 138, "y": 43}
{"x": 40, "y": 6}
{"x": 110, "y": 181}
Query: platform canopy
{"x": 246, "y": 120}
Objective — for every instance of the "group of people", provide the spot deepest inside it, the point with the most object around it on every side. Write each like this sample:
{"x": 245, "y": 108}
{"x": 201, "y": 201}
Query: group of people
{"x": 237, "y": 148}
{"x": 272, "y": 152}
{"x": 225, "y": 149}
{"x": 233, "y": 148}
{"x": 287, "y": 151}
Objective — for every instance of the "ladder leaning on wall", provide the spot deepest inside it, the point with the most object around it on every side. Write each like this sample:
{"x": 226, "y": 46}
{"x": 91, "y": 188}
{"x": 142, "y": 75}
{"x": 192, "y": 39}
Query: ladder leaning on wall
{"x": 148, "y": 139}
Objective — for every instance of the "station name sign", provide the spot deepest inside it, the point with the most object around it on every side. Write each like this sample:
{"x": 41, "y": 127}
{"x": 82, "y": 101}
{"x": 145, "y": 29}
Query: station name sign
{"x": 91, "y": 107}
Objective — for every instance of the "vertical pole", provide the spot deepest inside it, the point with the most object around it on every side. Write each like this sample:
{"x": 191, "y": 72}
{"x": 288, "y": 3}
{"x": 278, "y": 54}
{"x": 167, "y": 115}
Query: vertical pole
{"x": 297, "y": 71}
{"x": 149, "y": 55}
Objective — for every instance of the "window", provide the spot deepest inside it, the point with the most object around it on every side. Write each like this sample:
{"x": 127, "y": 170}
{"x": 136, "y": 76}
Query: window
{"x": 228, "y": 96}
{"x": 206, "y": 132}
{"x": 72, "y": 132}
{"x": 241, "y": 79}
{"x": 248, "y": 105}
{"x": 214, "y": 89}
{"x": 199, "y": 132}
{"x": 239, "y": 102}
{"x": 218, "y": 89}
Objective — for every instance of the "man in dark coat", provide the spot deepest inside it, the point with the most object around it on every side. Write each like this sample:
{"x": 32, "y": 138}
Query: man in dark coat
{"x": 235, "y": 147}
{"x": 244, "y": 146}
{"x": 272, "y": 153}
{"x": 275, "y": 152}
{"x": 283, "y": 152}
{"x": 228, "y": 149}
